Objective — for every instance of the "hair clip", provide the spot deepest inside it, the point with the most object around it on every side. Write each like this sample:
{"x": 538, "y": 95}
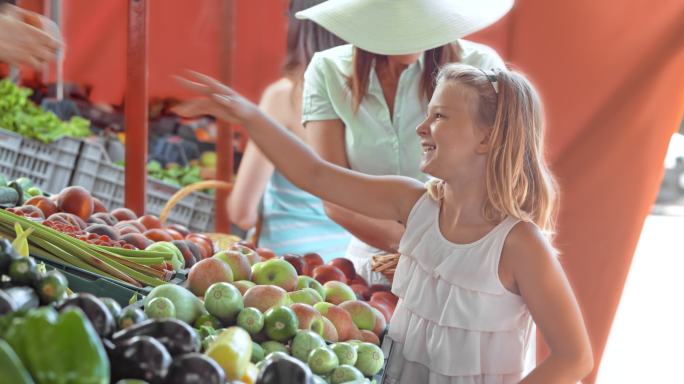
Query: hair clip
{"x": 491, "y": 77}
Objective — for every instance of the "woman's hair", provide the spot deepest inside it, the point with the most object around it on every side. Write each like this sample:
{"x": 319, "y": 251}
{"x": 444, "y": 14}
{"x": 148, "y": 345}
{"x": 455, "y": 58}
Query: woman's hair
{"x": 304, "y": 38}
{"x": 363, "y": 61}
{"x": 518, "y": 182}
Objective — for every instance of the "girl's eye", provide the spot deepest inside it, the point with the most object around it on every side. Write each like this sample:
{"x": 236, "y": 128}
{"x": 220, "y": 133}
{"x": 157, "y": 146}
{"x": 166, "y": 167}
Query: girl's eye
{"x": 438, "y": 115}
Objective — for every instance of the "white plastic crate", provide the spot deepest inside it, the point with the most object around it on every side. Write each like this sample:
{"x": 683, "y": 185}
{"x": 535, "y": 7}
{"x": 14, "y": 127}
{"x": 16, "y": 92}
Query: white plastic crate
{"x": 49, "y": 166}
{"x": 105, "y": 180}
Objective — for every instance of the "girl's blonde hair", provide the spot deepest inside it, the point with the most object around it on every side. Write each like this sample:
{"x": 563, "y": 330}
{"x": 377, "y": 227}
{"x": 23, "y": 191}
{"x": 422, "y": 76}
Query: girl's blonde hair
{"x": 518, "y": 182}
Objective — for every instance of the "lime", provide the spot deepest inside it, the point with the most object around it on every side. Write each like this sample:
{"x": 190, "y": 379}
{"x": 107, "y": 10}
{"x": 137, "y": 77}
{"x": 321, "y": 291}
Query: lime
{"x": 323, "y": 360}
{"x": 345, "y": 352}
{"x": 304, "y": 342}
{"x": 281, "y": 323}
{"x": 251, "y": 319}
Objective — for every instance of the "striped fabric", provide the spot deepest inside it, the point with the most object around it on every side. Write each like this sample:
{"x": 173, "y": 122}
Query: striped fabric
{"x": 294, "y": 221}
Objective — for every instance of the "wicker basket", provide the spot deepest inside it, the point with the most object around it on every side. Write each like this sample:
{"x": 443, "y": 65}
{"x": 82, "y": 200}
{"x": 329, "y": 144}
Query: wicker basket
{"x": 187, "y": 190}
{"x": 386, "y": 264}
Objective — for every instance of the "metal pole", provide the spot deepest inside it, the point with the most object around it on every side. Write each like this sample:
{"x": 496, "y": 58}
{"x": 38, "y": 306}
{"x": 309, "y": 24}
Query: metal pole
{"x": 136, "y": 107}
{"x": 224, "y": 140}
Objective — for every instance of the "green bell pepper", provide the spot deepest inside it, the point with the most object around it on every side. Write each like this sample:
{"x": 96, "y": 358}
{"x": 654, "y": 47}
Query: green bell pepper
{"x": 59, "y": 348}
{"x": 11, "y": 368}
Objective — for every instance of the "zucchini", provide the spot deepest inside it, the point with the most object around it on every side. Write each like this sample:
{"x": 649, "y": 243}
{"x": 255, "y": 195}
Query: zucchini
{"x": 9, "y": 197}
{"x": 23, "y": 271}
{"x": 113, "y": 307}
{"x": 131, "y": 316}
{"x": 19, "y": 189}
{"x": 17, "y": 299}
{"x": 52, "y": 286}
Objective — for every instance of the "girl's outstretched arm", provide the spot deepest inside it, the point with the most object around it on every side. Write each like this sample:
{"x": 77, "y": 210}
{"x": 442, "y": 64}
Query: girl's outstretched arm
{"x": 383, "y": 197}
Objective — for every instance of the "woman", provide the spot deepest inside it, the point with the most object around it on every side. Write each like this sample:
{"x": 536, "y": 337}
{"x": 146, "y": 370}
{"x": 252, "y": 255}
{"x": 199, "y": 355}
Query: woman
{"x": 363, "y": 101}
{"x": 292, "y": 221}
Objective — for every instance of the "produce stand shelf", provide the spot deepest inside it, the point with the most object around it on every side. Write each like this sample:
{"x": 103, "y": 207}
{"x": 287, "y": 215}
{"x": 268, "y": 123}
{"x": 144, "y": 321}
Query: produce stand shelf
{"x": 105, "y": 180}
{"x": 49, "y": 166}
{"x": 88, "y": 282}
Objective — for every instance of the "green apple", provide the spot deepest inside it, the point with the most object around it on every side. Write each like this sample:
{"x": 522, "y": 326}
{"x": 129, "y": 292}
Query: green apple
{"x": 310, "y": 282}
{"x": 337, "y": 292}
{"x": 276, "y": 272}
{"x": 238, "y": 263}
{"x": 306, "y": 296}
{"x": 362, "y": 314}
{"x": 323, "y": 307}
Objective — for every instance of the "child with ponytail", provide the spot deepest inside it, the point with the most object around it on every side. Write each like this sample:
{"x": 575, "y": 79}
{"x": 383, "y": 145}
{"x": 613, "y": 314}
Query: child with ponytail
{"x": 477, "y": 269}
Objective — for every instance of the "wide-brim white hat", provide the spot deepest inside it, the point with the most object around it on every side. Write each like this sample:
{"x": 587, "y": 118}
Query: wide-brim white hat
{"x": 399, "y": 27}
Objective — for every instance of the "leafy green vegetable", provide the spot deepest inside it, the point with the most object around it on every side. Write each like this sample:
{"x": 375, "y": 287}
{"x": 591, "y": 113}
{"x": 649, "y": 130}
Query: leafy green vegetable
{"x": 21, "y": 115}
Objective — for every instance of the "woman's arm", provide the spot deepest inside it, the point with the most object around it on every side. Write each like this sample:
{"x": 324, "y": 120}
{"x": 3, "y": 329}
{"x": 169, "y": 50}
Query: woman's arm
{"x": 327, "y": 139}
{"x": 384, "y": 197}
{"x": 543, "y": 286}
{"x": 255, "y": 169}
{"x": 250, "y": 182}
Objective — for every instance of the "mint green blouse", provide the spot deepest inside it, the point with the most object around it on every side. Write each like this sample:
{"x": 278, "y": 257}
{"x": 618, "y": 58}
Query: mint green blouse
{"x": 375, "y": 143}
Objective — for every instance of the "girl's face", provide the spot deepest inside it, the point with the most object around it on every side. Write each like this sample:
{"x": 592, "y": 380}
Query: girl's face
{"x": 453, "y": 144}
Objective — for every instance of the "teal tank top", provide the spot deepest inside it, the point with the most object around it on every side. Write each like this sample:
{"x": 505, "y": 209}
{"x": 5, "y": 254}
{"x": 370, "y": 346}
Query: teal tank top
{"x": 294, "y": 221}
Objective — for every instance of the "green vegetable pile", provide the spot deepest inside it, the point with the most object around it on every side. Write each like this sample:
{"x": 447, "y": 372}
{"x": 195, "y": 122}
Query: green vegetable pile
{"x": 174, "y": 174}
{"x": 21, "y": 115}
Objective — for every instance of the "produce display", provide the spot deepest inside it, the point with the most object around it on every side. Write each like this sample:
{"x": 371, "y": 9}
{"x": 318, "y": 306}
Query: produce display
{"x": 19, "y": 114}
{"x": 248, "y": 308}
{"x": 73, "y": 228}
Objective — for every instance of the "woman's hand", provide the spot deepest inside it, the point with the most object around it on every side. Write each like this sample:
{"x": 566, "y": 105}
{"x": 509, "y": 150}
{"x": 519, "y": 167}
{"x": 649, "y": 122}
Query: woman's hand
{"x": 218, "y": 100}
{"x": 27, "y": 38}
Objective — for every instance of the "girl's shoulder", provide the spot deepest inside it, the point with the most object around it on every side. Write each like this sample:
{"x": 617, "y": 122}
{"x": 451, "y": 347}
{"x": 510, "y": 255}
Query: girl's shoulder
{"x": 525, "y": 246}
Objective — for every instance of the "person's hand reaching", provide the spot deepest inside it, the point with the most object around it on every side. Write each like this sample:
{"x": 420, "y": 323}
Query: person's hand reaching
{"x": 27, "y": 38}
{"x": 217, "y": 100}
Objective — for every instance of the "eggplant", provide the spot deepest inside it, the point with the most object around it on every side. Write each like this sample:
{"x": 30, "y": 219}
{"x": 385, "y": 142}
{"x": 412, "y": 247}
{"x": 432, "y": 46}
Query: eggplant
{"x": 140, "y": 357}
{"x": 98, "y": 313}
{"x": 178, "y": 337}
{"x": 7, "y": 255}
{"x": 195, "y": 368}
{"x": 17, "y": 299}
{"x": 283, "y": 369}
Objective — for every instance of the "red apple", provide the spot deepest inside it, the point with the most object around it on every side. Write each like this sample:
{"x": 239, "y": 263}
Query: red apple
{"x": 325, "y": 273}
{"x": 311, "y": 261}
{"x": 295, "y": 260}
{"x": 344, "y": 265}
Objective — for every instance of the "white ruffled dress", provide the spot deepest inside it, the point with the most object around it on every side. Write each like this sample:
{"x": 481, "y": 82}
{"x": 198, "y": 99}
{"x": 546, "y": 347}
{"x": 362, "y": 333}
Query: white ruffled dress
{"x": 455, "y": 322}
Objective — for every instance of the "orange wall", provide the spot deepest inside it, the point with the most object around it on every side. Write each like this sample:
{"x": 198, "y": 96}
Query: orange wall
{"x": 610, "y": 74}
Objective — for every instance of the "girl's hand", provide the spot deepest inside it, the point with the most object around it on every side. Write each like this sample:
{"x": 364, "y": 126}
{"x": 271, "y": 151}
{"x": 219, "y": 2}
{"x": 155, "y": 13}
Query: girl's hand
{"x": 218, "y": 100}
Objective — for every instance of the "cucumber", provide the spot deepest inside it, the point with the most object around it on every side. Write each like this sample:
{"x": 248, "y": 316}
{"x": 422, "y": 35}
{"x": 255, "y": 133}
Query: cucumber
{"x": 23, "y": 271}
{"x": 52, "y": 286}
{"x": 9, "y": 197}
{"x": 17, "y": 299}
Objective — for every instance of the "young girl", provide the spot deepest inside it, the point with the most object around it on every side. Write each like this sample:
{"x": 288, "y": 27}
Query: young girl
{"x": 476, "y": 271}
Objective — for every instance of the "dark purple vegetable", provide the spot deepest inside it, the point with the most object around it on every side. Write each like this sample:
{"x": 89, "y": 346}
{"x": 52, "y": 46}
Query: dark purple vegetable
{"x": 178, "y": 337}
{"x": 195, "y": 368}
{"x": 94, "y": 309}
{"x": 141, "y": 357}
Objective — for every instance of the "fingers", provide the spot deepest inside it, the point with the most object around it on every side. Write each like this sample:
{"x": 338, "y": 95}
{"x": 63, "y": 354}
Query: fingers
{"x": 215, "y": 85}
{"x": 192, "y": 85}
{"x": 190, "y": 108}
